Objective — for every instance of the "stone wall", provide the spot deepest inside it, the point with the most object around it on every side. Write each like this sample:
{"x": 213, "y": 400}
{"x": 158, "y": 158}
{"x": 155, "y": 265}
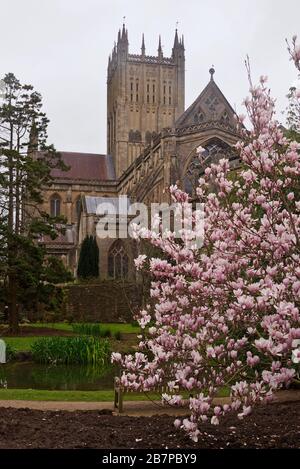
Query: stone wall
{"x": 106, "y": 301}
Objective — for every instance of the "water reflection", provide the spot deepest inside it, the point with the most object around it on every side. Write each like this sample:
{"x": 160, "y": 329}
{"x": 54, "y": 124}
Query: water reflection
{"x": 31, "y": 375}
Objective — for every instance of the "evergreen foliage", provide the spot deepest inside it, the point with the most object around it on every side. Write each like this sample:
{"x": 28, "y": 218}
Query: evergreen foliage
{"x": 88, "y": 265}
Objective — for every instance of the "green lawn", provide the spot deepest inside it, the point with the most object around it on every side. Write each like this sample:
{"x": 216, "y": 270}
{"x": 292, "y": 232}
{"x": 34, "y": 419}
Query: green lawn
{"x": 113, "y": 326}
{"x": 62, "y": 326}
{"x": 24, "y": 343}
{"x": 20, "y": 344}
{"x": 86, "y": 396}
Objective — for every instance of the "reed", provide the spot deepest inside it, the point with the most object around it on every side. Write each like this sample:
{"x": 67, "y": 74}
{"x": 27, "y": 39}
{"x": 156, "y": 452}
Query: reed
{"x": 80, "y": 350}
{"x": 96, "y": 330}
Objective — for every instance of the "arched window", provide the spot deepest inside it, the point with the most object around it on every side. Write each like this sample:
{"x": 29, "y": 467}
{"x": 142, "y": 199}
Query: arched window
{"x": 55, "y": 203}
{"x": 117, "y": 261}
{"x": 148, "y": 137}
{"x": 214, "y": 151}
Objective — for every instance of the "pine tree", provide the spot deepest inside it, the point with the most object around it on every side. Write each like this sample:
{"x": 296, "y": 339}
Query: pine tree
{"x": 24, "y": 173}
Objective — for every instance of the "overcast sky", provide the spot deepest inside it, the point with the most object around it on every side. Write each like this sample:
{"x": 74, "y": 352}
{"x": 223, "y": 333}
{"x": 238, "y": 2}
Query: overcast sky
{"x": 62, "y": 48}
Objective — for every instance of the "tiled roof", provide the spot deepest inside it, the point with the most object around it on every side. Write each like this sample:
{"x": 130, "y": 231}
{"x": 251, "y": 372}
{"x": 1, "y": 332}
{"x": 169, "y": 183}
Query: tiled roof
{"x": 87, "y": 166}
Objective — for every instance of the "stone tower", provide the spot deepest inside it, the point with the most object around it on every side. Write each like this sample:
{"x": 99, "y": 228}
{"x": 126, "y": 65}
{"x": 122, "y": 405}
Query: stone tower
{"x": 144, "y": 95}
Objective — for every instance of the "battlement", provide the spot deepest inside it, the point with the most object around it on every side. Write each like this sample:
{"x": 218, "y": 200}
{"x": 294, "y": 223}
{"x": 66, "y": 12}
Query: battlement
{"x": 120, "y": 53}
{"x": 151, "y": 59}
{"x": 145, "y": 93}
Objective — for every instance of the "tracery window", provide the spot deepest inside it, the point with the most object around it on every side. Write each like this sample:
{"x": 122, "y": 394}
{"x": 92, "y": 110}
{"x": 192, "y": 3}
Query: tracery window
{"x": 214, "y": 151}
{"x": 148, "y": 137}
{"x": 134, "y": 136}
{"x": 117, "y": 261}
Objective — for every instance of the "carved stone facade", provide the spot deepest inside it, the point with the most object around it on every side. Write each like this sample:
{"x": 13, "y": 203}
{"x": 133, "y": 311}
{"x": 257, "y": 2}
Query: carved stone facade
{"x": 144, "y": 95}
{"x": 151, "y": 144}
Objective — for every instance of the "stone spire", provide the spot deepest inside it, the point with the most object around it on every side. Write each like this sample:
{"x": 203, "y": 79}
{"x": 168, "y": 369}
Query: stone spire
{"x": 124, "y": 37}
{"x": 178, "y": 48}
{"x": 143, "y": 48}
{"x": 122, "y": 46}
{"x": 176, "y": 42}
{"x": 159, "y": 50}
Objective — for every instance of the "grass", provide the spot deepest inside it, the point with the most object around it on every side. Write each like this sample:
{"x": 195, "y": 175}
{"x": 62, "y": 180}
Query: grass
{"x": 61, "y": 326}
{"x": 80, "y": 396}
{"x": 22, "y": 344}
{"x": 71, "y": 396}
{"x": 112, "y": 326}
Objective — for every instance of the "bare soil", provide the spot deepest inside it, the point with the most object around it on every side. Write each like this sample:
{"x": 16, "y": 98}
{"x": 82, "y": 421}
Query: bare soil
{"x": 273, "y": 426}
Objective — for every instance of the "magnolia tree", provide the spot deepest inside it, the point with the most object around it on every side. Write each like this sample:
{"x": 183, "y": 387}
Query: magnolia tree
{"x": 227, "y": 315}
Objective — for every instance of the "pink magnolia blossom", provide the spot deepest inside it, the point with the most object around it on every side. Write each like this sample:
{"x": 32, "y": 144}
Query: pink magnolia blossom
{"x": 228, "y": 314}
{"x": 139, "y": 261}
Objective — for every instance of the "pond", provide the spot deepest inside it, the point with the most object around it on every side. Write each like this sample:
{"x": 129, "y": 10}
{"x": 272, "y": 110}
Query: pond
{"x": 30, "y": 375}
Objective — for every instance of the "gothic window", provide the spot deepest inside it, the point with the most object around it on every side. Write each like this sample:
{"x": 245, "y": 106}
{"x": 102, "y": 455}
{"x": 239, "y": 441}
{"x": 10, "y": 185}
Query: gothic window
{"x": 148, "y": 137}
{"x": 134, "y": 136}
{"x": 138, "y": 136}
{"x": 214, "y": 151}
{"x": 55, "y": 202}
{"x": 131, "y": 136}
{"x": 117, "y": 261}
{"x": 170, "y": 100}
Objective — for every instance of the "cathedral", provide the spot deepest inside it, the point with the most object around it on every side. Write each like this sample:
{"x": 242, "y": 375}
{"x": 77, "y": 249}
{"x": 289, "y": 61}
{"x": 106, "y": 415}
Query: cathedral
{"x": 151, "y": 144}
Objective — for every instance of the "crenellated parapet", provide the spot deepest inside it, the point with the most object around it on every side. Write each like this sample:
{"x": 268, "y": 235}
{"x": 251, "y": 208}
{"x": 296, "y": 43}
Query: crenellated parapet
{"x": 145, "y": 93}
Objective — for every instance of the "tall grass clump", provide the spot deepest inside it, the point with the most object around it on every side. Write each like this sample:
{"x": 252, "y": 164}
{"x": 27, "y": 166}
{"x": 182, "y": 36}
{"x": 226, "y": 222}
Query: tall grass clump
{"x": 71, "y": 350}
{"x": 96, "y": 330}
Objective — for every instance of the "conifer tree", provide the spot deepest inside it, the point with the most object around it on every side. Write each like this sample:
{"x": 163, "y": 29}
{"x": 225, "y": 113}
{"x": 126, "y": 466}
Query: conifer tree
{"x": 89, "y": 258}
{"x": 24, "y": 174}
